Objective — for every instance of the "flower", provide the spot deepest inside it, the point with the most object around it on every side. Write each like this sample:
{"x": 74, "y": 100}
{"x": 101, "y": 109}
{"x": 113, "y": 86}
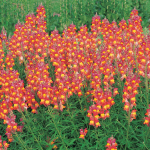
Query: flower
{"x": 83, "y": 134}
{"x": 111, "y": 143}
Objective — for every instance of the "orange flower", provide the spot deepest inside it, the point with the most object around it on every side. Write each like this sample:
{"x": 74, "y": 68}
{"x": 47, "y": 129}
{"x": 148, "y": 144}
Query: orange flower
{"x": 97, "y": 124}
{"x": 83, "y": 134}
{"x": 147, "y": 121}
{"x": 91, "y": 122}
{"x": 5, "y": 144}
{"x": 133, "y": 115}
{"x": 111, "y": 143}
{"x": 126, "y": 107}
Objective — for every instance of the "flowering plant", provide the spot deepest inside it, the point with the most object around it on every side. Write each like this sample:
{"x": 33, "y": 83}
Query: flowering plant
{"x": 58, "y": 85}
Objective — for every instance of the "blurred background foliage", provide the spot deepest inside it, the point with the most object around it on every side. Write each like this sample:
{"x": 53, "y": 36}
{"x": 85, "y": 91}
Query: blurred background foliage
{"x": 61, "y": 13}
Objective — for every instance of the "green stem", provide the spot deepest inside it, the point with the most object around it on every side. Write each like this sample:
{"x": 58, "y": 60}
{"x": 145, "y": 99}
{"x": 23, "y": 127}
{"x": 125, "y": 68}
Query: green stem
{"x": 128, "y": 127}
{"x": 118, "y": 71}
{"x": 136, "y": 62}
{"x": 140, "y": 94}
{"x": 25, "y": 62}
{"x": 49, "y": 64}
{"x": 4, "y": 47}
{"x": 137, "y": 72}
{"x": 24, "y": 118}
{"x": 21, "y": 141}
{"x": 82, "y": 111}
{"x": 146, "y": 85}
{"x": 50, "y": 111}
{"x": 81, "y": 106}
{"x": 147, "y": 135}
{"x": 71, "y": 118}
{"x": 96, "y": 136}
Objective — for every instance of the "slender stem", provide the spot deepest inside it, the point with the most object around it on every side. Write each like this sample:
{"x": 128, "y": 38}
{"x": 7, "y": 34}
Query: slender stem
{"x": 146, "y": 84}
{"x": 25, "y": 63}
{"x": 147, "y": 135}
{"x": 21, "y": 141}
{"x": 96, "y": 135}
{"x": 81, "y": 106}
{"x": 71, "y": 117}
{"x": 49, "y": 64}
{"x": 66, "y": 14}
{"x": 30, "y": 129}
{"x": 137, "y": 72}
{"x": 128, "y": 127}
{"x": 118, "y": 70}
{"x": 4, "y": 47}
{"x": 60, "y": 15}
{"x": 57, "y": 128}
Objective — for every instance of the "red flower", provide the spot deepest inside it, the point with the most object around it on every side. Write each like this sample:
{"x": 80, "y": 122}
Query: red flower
{"x": 83, "y": 134}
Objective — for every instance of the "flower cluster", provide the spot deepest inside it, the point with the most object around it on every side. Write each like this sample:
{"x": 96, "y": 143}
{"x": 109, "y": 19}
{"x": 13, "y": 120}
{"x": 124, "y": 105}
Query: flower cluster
{"x": 48, "y": 141}
{"x": 111, "y": 143}
{"x": 13, "y": 94}
{"x": 83, "y": 133}
{"x": 4, "y": 145}
{"x": 80, "y": 60}
{"x": 3, "y": 37}
{"x": 1, "y": 56}
{"x": 96, "y": 22}
{"x": 130, "y": 90}
{"x": 12, "y": 127}
{"x": 101, "y": 108}
{"x": 147, "y": 119}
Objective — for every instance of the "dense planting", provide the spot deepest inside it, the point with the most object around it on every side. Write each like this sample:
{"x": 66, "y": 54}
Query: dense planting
{"x": 94, "y": 86}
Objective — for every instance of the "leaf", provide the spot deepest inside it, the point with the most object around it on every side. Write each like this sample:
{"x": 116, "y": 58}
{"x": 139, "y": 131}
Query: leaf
{"x": 52, "y": 27}
{"x": 60, "y": 29}
{"x": 64, "y": 128}
{"x": 71, "y": 142}
{"x": 74, "y": 114}
{"x": 62, "y": 147}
